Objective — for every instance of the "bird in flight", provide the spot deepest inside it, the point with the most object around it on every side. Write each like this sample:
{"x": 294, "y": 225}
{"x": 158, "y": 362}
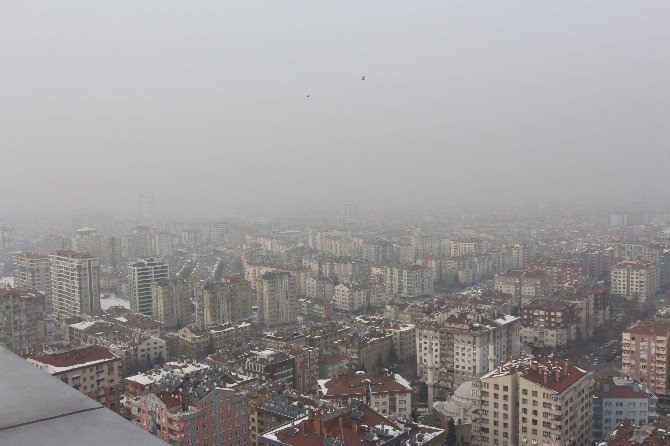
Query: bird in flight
{"x": 307, "y": 95}
{"x": 363, "y": 78}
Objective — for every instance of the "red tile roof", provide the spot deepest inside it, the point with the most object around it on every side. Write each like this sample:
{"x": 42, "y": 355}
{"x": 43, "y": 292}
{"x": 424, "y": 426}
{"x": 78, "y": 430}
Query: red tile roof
{"x": 353, "y": 384}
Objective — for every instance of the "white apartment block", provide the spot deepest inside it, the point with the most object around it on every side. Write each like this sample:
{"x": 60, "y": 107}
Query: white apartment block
{"x": 141, "y": 275}
{"x": 465, "y": 347}
{"x": 636, "y": 279}
{"x": 277, "y": 298}
{"x": 75, "y": 283}
{"x": 31, "y": 271}
{"x": 405, "y": 280}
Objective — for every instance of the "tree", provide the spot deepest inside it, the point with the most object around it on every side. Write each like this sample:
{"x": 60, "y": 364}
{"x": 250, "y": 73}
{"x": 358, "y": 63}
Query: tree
{"x": 451, "y": 433}
{"x": 393, "y": 355}
{"x": 160, "y": 360}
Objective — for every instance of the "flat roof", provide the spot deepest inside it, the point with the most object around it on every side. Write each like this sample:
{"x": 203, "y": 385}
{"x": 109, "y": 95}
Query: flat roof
{"x": 40, "y": 409}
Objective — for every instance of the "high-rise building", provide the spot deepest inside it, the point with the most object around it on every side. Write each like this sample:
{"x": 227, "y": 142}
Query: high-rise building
{"x": 31, "y": 271}
{"x": 405, "y": 280}
{"x": 21, "y": 318}
{"x": 644, "y": 354}
{"x": 86, "y": 240}
{"x": 535, "y": 401}
{"x": 351, "y": 210}
{"x": 277, "y": 298}
{"x": 226, "y": 301}
{"x": 141, "y": 275}
{"x": 5, "y": 237}
{"x": 75, "y": 283}
{"x": 636, "y": 279}
{"x": 147, "y": 208}
{"x": 171, "y": 302}
{"x": 464, "y": 347}
{"x": 161, "y": 243}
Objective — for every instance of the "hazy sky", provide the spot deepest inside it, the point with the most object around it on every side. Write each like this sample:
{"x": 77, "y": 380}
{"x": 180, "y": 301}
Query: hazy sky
{"x": 204, "y": 103}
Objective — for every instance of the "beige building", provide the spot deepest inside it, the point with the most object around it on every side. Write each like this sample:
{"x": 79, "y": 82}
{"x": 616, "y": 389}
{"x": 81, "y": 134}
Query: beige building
{"x": 139, "y": 352}
{"x": 533, "y": 401}
{"x": 277, "y": 298}
{"x": 644, "y": 354}
{"x": 405, "y": 280}
{"x": 636, "y": 279}
{"x": 31, "y": 272}
{"x": 22, "y": 323}
{"x": 75, "y": 283}
{"x": 464, "y": 347}
{"x": 228, "y": 301}
{"x": 386, "y": 392}
{"x": 171, "y": 302}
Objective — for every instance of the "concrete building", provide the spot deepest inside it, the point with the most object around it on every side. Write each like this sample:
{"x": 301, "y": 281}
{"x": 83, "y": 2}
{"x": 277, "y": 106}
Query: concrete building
{"x": 351, "y": 298}
{"x": 277, "y": 298}
{"x": 305, "y": 368}
{"x": 548, "y": 323}
{"x": 171, "y": 302}
{"x": 405, "y": 280}
{"x": 630, "y": 434}
{"x": 138, "y": 352}
{"x": 228, "y": 301}
{"x": 322, "y": 288}
{"x": 464, "y": 347}
{"x": 205, "y": 410}
{"x": 636, "y": 280}
{"x": 618, "y": 399}
{"x": 95, "y": 371}
{"x": 31, "y": 272}
{"x": 525, "y": 286}
{"x": 356, "y": 424}
{"x": 161, "y": 243}
{"x": 535, "y": 401}
{"x": 75, "y": 283}
{"x": 270, "y": 366}
{"x": 644, "y": 354}
{"x": 22, "y": 324}
{"x": 141, "y": 275}
{"x": 386, "y": 392}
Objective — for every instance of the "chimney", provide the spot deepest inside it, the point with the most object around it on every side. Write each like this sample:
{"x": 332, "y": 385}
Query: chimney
{"x": 545, "y": 377}
{"x": 565, "y": 367}
{"x": 317, "y": 426}
{"x": 558, "y": 375}
{"x": 340, "y": 421}
{"x": 302, "y": 428}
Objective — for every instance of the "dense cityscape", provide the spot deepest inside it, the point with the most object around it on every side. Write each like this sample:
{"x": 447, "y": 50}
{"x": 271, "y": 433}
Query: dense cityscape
{"x": 525, "y": 326}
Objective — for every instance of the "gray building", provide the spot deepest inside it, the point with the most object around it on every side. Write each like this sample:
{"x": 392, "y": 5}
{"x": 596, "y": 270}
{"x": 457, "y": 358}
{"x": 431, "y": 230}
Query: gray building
{"x": 141, "y": 275}
{"x": 617, "y": 399}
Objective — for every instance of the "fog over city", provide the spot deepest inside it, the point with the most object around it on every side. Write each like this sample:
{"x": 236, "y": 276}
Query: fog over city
{"x": 238, "y": 106}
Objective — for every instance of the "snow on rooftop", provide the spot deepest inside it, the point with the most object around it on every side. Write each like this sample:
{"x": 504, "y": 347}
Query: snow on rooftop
{"x": 83, "y": 325}
{"x": 402, "y": 381}
{"x": 506, "y": 319}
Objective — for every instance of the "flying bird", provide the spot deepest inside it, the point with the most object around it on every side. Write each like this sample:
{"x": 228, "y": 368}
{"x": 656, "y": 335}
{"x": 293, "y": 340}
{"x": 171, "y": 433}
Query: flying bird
{"x": 363, "y": 78}
{"x": 307, "y": 95}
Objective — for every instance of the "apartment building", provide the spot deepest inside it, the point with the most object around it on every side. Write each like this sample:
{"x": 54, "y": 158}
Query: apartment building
{"x": 270, "y": 366}
{"x": 75, "y": 283}
{"x": 644, "y": 354}
{"x": 405, "y": 280}
{"x": 535, "y": 401}
{"x": 138, "y": 352}
{"x": 636, "y": 280}
{"x": 227, "y": 301}
{"x": 141, "y": 276}
{"x": 525, "y": 286}
{"x": 171, "y": 302}
{"x": 356, "y": 424}
{"x": 305, "y": 368}
{"x": 277, "y": 298}
{"x": 548, "y": 323}
{"x": 386, "y": 392}
{"x": 31, "y": 272}
{"x": 22, "y": 315}
{"x": 351, "y": 298}
{"x": 203, "y": 410}
{"x": 368, "y": 350}
{"x": 95, "y": 371}
{"x": 465, "y": 346}
{"x": 616, "y": 399}
{"x": 321, "y": 288}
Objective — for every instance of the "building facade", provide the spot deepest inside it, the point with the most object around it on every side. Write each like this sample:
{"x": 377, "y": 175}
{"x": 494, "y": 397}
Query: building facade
{"x": 141, "y": 276}
{"x": 75, "y": 283}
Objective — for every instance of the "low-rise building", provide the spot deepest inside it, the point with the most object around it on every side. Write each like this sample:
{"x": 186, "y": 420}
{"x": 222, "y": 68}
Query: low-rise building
{"x": 94, "y": 370}
{"x": 618, "y": 399}
{"x": 386, "y": 392}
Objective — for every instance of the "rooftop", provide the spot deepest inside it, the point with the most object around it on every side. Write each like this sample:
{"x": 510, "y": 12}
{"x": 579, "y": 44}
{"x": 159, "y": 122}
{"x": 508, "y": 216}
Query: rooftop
{"x": 40, "y": 409}
{"x": 74, "y": 359}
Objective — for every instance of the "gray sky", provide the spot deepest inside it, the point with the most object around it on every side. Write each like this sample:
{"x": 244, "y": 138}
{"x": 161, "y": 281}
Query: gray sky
{"x": 203, "y": 103}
